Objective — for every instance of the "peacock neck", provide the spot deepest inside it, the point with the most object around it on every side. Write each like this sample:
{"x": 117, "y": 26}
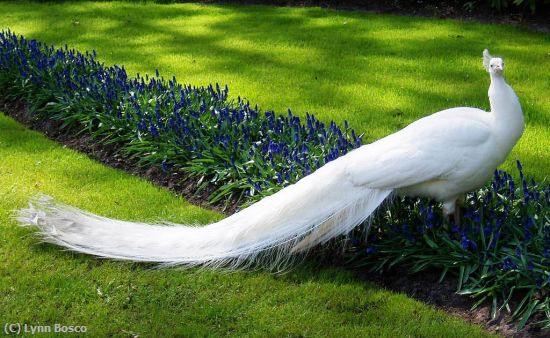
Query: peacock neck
{"x": 507, "y": 112}
{"x": 500, "y": 96}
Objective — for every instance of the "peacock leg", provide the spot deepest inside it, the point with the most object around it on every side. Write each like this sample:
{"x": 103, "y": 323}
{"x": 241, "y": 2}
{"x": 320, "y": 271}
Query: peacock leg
{"x": 456, "y": 214}
{"x": 459, "y": 203}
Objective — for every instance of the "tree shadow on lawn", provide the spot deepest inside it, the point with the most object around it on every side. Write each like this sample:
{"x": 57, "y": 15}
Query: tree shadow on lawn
{"x": 357, "y": 39}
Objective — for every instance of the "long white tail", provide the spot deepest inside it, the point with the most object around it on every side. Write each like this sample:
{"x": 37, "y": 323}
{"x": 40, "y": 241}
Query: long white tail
{"x": 315, "y": 209}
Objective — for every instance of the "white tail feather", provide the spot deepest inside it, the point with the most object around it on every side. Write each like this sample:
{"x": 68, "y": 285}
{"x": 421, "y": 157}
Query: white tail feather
{"x": 312, "y": 211}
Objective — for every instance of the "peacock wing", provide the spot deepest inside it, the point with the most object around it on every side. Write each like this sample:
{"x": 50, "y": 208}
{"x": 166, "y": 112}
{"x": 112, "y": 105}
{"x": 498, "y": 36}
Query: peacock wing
{"x": 431, "y": 148}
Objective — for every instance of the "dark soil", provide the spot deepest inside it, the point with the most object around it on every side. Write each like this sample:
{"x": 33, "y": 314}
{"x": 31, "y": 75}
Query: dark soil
{"x": 422, "y": 286}
{"x": 450, "y": 9}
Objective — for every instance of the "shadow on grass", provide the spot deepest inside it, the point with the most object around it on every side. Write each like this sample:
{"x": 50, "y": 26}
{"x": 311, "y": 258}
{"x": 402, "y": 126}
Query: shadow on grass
{"x": 337, "y": 54}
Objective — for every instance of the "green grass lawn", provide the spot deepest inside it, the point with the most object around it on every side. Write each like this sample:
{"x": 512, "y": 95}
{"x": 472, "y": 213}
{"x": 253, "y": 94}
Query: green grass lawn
{"x": 41, "y": 285}
{"x": 379, "y": 72}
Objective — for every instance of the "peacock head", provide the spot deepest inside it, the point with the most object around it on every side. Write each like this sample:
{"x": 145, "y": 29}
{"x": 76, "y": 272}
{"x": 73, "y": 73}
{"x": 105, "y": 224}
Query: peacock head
{"x": 492, "y": 65}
